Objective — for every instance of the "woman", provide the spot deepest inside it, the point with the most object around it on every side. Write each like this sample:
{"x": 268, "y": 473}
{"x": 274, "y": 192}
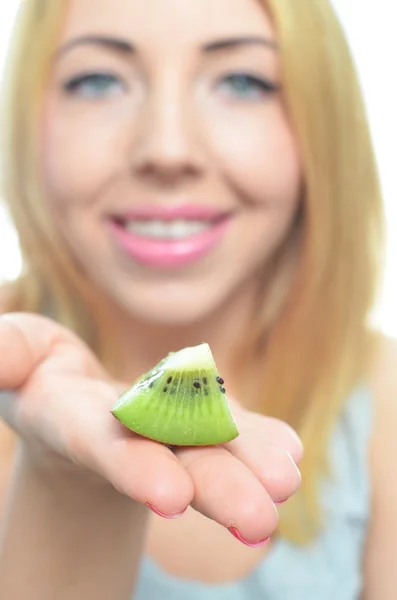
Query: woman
{"x": 202, "y": 172}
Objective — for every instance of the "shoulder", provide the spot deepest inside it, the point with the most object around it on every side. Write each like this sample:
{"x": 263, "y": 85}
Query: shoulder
{"x": 383, "y": 379}
{"x": 384, "y": 386}
{"x": 380, "y": 572}
{"x": 384, "y": 371}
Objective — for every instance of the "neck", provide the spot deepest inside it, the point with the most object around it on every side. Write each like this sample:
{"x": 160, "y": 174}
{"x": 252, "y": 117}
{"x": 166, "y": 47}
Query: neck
{"x": 144, "y": 344}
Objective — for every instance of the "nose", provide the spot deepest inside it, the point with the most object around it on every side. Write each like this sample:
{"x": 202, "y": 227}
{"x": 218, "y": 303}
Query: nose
{"x": 167, "y": 147}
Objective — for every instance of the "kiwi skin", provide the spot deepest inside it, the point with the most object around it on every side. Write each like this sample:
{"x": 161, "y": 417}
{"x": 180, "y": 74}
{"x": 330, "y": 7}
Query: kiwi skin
{"x": 179, "y": 407}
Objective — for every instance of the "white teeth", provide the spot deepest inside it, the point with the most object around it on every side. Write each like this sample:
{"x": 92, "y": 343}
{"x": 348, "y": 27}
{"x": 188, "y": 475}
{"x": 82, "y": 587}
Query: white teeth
{"x": 169, "y": 230}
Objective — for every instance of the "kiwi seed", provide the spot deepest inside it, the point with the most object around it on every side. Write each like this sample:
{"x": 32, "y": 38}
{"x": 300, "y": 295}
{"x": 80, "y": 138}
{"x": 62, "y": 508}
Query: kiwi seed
{"x": 220, "y": 380}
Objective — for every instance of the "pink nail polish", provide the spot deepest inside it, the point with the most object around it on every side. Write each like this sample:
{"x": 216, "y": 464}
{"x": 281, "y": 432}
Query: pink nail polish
{"x": 160, "y": 514}
{"x": 234, "y": 531}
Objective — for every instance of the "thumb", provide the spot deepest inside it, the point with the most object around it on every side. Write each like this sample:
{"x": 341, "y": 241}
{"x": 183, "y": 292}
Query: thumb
{"x": 26, "y": 340}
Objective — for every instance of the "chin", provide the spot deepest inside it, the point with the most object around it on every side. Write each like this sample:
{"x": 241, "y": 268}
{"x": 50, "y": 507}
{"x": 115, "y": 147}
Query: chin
{"x": 168, "y": 310}
{"x": 174, "y": 315}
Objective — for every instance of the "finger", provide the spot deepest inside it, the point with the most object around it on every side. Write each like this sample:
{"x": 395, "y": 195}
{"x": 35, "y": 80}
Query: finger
{"x": 271, "y": 464}
{"x": 26, "y": 341}
{"x": 263, "y": 446}
{"x": 283, "y": 435}
{"x": 227, "y": 492}
{"x": 275, "y": 431}
{"x": 146, "y": 471}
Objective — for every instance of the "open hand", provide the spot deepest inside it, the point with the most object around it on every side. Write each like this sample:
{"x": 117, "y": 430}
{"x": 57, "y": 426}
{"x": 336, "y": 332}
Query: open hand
{"x": 60, "y": 405}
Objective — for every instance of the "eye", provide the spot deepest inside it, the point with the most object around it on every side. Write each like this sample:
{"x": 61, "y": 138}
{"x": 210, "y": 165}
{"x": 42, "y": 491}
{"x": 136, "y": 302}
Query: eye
{"x": 95, "y": 85}
{"x": 244, "y": 86}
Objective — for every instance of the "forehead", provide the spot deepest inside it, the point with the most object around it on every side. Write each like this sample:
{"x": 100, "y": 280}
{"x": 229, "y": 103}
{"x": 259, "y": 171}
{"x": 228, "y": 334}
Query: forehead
{"x": 186, "y": 21}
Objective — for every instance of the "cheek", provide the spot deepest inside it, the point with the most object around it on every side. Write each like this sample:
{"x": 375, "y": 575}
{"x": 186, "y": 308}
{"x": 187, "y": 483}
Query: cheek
{"x": 260, "y": 158}
{"x": 80, "y": 154}
{"x": 261, "y": 167}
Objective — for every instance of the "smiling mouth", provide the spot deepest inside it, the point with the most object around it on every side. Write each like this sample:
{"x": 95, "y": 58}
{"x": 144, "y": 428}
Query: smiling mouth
{"x": 169, "y": 229}
{"x": 169, "y": 240}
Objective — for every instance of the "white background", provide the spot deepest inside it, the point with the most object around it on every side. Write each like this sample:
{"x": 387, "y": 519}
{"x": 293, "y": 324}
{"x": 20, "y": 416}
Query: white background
{"x": 370, "y": 26}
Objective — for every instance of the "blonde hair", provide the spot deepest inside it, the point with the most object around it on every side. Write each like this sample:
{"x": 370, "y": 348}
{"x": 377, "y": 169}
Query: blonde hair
{"x": 319, "y": 344}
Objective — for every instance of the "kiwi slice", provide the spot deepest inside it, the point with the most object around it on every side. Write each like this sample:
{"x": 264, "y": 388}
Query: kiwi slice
{"x": 180, "y": 402}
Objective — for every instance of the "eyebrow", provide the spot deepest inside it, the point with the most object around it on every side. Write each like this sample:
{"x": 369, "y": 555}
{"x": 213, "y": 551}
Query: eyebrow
{"x": 240, "y": 41}
{"x": 125, "y": 47}
{"x": 118, "y": 44}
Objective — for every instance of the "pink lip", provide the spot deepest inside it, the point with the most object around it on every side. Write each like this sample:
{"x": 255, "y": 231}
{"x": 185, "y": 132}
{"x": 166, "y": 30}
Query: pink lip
{"x": 170, "y": 253}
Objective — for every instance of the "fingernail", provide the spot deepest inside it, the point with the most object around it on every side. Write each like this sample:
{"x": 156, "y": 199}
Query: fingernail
{"x": 160, "y": 514}
{"x": 234, "y": 531}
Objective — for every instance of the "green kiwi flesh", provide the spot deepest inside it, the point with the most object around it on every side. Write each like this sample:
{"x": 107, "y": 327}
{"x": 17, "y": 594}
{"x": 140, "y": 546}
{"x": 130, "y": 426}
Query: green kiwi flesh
{"x": 180, "y": 402}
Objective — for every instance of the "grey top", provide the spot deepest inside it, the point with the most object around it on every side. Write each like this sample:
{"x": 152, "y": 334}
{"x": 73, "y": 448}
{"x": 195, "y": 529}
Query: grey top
{"x": 329, "y": 568}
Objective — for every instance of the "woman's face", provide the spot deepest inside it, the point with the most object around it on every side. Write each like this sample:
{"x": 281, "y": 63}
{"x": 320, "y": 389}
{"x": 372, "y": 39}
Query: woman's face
{"x": 170, "y": 165}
